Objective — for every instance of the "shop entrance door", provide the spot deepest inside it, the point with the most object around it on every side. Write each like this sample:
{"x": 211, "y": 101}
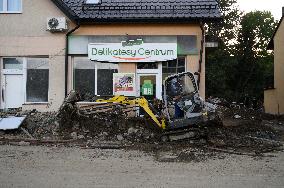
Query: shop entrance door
{"x": 149, "y": 82}
{"x": 148, "y": 86}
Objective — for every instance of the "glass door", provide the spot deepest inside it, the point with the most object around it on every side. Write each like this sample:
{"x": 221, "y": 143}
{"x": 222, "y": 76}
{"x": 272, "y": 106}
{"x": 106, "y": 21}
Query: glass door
{"x": 148, "y": 86}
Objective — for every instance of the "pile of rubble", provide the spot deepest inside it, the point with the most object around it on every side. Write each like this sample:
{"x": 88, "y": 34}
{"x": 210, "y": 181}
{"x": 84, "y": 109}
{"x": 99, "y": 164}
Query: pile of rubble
{"x": 242, "y": 129}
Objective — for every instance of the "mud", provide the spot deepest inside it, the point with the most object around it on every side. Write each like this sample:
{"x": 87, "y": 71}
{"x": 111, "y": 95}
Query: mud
{"x": 242, "y": 131}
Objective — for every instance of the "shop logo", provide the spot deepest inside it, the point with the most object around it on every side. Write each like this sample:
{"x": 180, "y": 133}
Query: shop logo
{"x": 135, "y": 42}
{"x": 132, "y": 51}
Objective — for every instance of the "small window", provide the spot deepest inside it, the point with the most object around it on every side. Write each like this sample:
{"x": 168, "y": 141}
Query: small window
{"x": 173, "y": 67}
{"x": 147, "y": 65}
{"x": 10, "y": 6}
{"x": 37, "y": 80}
{"x": 13, "y": 63}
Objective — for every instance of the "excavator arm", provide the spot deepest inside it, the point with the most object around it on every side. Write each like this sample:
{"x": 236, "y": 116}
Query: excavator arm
{"x": 141, "y": 101}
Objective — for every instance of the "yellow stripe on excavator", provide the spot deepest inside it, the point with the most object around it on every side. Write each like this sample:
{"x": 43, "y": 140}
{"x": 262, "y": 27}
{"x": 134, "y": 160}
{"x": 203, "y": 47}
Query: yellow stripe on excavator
{"x": 141, "y": 101}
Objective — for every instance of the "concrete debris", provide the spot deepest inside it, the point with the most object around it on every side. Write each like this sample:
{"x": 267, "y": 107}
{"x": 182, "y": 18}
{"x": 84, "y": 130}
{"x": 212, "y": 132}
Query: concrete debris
{"x": 23, "y": 143}
{"x": 237, "y": 116}
{"x": 74, "y": 135}
{"x": 81, "y": 137}
{"x": 119, "y": 137}
{"x": 132, "y": 131}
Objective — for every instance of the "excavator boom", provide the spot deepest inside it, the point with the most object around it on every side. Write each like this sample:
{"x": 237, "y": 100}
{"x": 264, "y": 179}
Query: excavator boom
{"x": 141, "y": 102}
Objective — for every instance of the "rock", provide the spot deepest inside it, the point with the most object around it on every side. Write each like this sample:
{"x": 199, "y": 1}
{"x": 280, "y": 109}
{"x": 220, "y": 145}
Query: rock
{"x": 105, "y": 133}
{"x": 81, "y": 137}
{"x": 237, "y": 116}
{"x": 85, "y": 130}
{"x": 74, "y": 135}
{"x": 119, "y": 137}
{"x": 167, "y": 157}
{"x": 23, "y": 143}
{"x": 131, "y": 131}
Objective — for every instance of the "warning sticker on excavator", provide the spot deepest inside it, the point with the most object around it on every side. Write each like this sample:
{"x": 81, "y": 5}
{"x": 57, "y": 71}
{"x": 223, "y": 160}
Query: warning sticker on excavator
{"x": 147, "y": 88}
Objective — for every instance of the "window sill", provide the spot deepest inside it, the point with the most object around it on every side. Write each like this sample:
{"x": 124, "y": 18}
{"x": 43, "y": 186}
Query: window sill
{"x": 35, "y": 103}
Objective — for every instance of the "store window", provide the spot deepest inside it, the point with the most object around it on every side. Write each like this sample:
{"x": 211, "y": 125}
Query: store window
{"x": 105, "y": 78}
{"x": 173, "y": 67}
{"x": 10, "y": 6}
{"x": 37, "y": 80}
{"x": 93, "y": 78}
{"x": 84, "y": 77}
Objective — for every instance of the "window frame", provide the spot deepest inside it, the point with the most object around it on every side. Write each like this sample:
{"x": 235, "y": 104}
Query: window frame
{"x": 177, "y": 67}
{"x": 6, "y": 11}
{"x": 23, "y": 72}
{"x": 96, "y": 73}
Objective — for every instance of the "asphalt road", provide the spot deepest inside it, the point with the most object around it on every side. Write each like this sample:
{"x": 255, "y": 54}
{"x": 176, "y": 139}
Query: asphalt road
{"x": 40, "y": 166}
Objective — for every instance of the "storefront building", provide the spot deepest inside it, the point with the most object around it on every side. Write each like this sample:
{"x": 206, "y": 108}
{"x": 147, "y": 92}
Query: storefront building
{"x": 110, "y": 48}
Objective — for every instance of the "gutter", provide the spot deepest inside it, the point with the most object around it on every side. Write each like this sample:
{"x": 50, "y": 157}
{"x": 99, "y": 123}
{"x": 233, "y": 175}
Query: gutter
{"x": 66, "y": 55}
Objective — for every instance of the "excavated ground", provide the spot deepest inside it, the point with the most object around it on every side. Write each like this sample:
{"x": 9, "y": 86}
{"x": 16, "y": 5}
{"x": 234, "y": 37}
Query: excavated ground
{"x": 243, "y": 131}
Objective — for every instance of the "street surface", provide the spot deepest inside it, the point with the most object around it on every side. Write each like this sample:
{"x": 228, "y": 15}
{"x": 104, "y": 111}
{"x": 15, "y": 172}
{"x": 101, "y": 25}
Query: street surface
{"x": 42, "y": 166}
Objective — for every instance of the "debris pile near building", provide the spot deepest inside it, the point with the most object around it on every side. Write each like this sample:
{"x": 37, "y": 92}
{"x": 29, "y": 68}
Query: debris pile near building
{"x": 243, "y": 130}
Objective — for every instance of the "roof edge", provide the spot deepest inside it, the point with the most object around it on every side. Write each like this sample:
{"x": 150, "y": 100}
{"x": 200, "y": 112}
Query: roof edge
{"x": 65, "y": 9}
{"x": 149, "y": 20}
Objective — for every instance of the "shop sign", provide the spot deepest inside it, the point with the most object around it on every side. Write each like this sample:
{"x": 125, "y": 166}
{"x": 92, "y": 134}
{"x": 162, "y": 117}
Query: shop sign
{"x": 124, "y": 84}
{"x": 147, "y": 88}
{"x": 132, "y": 51}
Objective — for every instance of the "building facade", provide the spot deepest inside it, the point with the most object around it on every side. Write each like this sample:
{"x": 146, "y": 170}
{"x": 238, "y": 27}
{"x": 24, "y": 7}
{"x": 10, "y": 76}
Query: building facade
{"x": 107, "y": 48}
{"x": 274, "y": 97}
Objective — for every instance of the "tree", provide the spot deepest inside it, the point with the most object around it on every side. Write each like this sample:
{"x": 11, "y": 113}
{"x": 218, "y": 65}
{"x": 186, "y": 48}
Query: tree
{"x": 255, "y": 62}
{"x": 219, "y": 61}
{"x": 241, "y": 64}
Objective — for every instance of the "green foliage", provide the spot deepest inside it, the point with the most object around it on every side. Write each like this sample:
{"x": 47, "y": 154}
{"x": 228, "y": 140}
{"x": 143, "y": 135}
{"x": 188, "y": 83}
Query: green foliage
{"x": 254, "y": 35}
{"x": 241, "y": 65}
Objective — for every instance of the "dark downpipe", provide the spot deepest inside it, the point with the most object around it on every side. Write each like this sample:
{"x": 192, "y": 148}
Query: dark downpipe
{"x": 66, "y": 56}
{"x": 201, "y": 52}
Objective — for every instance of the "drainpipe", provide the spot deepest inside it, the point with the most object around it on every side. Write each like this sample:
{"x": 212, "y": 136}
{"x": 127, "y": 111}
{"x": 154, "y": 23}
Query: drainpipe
{"x": 66, "y": 55}
{"x": 201, "y": 53}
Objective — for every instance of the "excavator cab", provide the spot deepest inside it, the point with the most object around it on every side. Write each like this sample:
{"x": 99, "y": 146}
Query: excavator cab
{"x": 182, "y": 103}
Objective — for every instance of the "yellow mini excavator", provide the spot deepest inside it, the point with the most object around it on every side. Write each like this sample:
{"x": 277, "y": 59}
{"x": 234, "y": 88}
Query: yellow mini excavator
{"x": 183, "y": 112}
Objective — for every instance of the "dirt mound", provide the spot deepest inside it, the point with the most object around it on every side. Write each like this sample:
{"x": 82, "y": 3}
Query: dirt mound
{"x": 243, "y": 130}
{"x": 42, "y": 125}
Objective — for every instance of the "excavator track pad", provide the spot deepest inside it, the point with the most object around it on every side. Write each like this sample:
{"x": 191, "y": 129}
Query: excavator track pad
{"x": 176, "y": 135}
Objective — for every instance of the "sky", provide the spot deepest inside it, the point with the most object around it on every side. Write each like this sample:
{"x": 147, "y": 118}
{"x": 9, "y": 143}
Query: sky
{"x": 274, "y": 6}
